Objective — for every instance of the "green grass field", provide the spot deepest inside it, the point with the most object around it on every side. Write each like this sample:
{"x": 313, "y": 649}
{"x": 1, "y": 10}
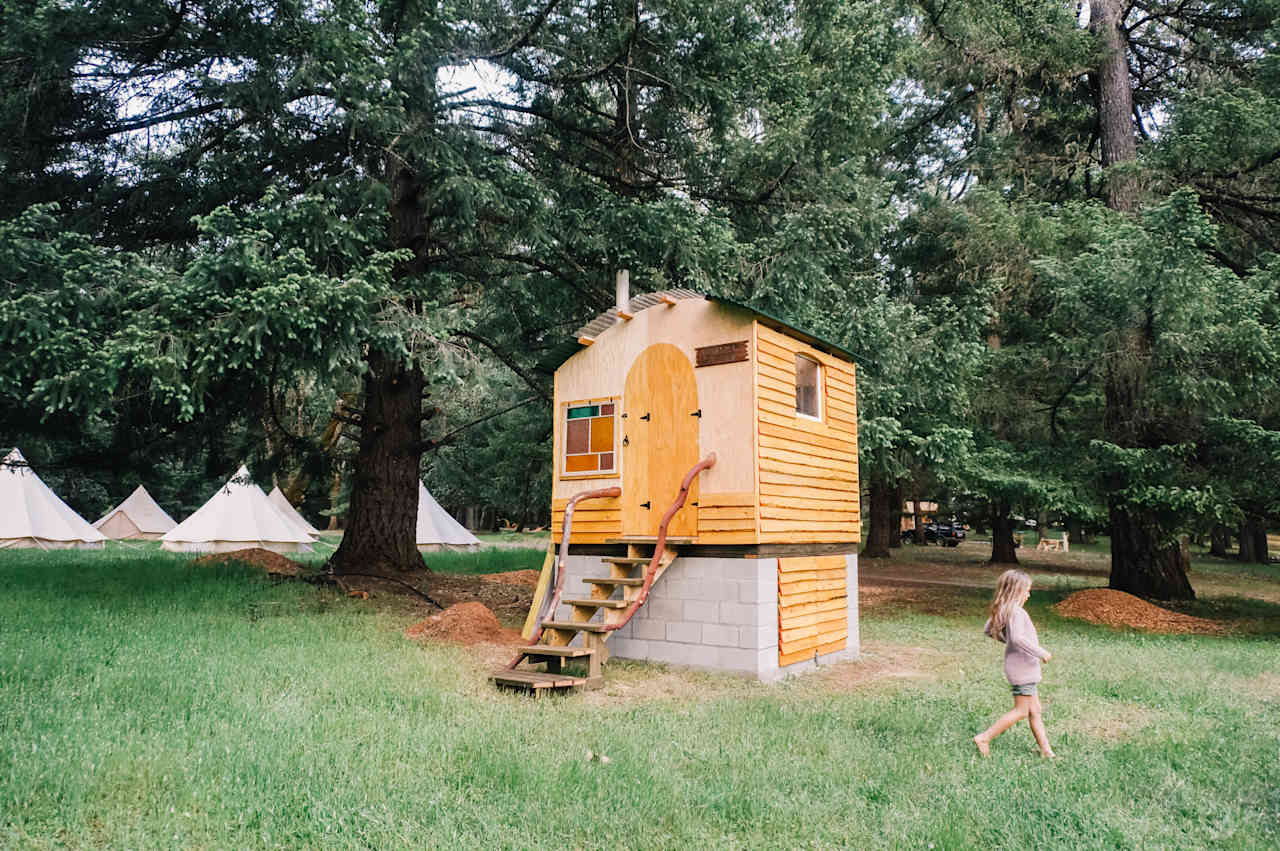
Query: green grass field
{"x": 147, "y": 703}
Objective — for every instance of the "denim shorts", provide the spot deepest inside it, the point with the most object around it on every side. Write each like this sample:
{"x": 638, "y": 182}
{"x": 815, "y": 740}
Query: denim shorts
{"x": 1026, "y": 689}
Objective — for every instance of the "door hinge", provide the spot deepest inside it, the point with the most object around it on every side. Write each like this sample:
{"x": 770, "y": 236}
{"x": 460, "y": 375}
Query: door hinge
{"x": 697, "y": 413}
{"x": 645, "y": 417}
{"x": 645, "y": 505}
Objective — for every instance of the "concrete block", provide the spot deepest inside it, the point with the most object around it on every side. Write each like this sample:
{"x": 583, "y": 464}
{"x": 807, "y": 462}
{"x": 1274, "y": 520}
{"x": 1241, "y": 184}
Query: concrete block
{"x": 652, "y": 629}
{"x": 668, "y": 609}
{"x": 739, "y": 614}
{"x": 683, "y": 654}
{"x": 700, "y": 611}
{"x": 629, "y": 648}
{"x": 688, "y": 633}
{"x": 735, "y": 659}
{"x": 757, "y": 637}
{"x": 719, "y": 634}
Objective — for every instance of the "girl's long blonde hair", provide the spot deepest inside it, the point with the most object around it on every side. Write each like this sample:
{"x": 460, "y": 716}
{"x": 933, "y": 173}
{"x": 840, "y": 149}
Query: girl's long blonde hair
{"x": 1009, "y": 589}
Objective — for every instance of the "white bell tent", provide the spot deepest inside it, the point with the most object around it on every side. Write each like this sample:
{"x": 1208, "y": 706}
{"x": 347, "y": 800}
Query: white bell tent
{"x": 138, "y": 517}
{"x": 237, "y": 517}
{"x": 32, "y": 515}
{"x": 282, "y": 504}
{"x": 437, "y": 530}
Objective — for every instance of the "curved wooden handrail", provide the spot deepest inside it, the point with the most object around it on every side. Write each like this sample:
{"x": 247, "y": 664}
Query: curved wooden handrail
{"x": 661, "y": 544}
{"x": 566, "y": 531}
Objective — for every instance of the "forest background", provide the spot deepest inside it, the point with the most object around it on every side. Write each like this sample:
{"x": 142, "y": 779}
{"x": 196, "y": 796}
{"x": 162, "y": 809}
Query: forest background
{"x": 346, "y": 242}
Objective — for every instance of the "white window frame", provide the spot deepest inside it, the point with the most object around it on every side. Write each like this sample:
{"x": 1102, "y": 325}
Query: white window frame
{"x": 817, "y": 364}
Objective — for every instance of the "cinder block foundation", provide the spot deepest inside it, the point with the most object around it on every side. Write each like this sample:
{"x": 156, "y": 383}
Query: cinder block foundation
{"x": 713, "y": 613}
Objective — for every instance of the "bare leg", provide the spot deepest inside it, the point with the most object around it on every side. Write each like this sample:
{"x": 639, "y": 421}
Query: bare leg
{"x": 1037, "y": 728}
{"x": 1021, "y": 708}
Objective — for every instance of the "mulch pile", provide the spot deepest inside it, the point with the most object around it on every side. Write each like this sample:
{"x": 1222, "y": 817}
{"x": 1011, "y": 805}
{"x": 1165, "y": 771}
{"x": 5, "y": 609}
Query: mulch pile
{"x": 1116, "y": 608}
{"x": 255, "y": 557}
{"x": 514, "y": 577}
{"x": 464, "y": 623}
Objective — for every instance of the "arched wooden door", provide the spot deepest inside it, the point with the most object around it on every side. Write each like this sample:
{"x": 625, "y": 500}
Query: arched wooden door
{"x": 660, "y": 441}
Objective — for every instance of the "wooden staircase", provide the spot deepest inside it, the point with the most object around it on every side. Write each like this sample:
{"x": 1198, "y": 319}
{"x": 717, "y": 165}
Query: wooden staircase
{"x": 613, "y": 600}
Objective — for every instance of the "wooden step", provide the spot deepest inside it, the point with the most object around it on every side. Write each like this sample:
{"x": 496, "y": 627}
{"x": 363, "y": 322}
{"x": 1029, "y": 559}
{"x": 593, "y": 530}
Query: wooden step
{"x": 571, "y": 625}
{"x": 535, "y": 680}
{"x": 549, "y": 650}
{"x": 604, "y": 580}
{"x": 628, "y": 559}
{"x": 602, "y": 604}
{"x": 648, "y": 539}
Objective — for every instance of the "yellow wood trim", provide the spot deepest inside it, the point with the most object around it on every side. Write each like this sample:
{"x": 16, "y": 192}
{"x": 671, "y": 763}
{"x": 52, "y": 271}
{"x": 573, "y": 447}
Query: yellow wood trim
{"x": 743, "y": 536}
{"x": 821, "y": 606}
{"x": 670, "y": 301}
{"x": 771, "y": 441}
{"x": 850, "y": 538}
{"x": 809, "y": 437}
{"x": 755, "y": 426}
{"x": 770, "y": 464}
{"x": 809, "y": 500}
{"x": 820, "y": 515}
{"x": 726, "y": 526}
{"x": 586, "y": 341}
{"x": 817, "y": 488}
{"x": 733, "y": 512}
{"x": 539, "y": 593}
{"x": 796, "y": 526}
{"x": 608, "y": 503}
{"x": 780, "y": 387}
{"x": 790, "y": 344}
{"x": 622, "y": 314}
{"x": 727, "y": 498}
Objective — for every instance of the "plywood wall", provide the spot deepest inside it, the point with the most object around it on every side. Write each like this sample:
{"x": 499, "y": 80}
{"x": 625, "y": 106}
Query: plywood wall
{"x": 813, "y": 604}
{"x": 807, "y": 469}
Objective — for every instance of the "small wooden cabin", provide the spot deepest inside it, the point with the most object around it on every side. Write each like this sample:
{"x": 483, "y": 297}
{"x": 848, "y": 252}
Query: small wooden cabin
{"x": 762, "y": 574}
{"x": 685, "y": 376}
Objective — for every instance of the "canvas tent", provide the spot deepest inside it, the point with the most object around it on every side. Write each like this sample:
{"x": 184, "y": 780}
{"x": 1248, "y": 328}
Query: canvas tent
{"x": 238, "y": 516}
{"x": 31, "y": 515}
{"x": 437, "y": 530}
{"x": 282, "y": 504}
{"x": 137, "y": 517}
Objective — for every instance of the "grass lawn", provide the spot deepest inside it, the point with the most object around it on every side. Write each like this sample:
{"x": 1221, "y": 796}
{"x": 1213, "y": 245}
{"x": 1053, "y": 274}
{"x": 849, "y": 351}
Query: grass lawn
{"x": 147, "y": 703}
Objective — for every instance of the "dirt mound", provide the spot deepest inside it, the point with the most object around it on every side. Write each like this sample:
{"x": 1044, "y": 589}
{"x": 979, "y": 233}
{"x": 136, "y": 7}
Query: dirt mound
{"x": 464, "y": 623}
{"x": 1116, "y": 608}
{"x": 515, "y": 577}
{"x": 255, "y": 557}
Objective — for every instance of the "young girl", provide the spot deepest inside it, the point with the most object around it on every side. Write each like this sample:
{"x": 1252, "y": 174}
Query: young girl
{"x": 1010, "y": 624}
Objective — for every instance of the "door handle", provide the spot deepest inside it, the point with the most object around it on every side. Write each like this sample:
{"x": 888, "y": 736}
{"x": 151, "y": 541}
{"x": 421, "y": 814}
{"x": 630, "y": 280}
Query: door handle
{"x": 626, "y": 441}
{"x": 645, "y": 505}
{"x": 646, "y": 416}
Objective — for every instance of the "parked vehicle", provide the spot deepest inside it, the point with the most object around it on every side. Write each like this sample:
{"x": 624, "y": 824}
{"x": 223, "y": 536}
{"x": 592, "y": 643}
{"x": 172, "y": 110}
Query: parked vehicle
{"x": 943, "y": 534}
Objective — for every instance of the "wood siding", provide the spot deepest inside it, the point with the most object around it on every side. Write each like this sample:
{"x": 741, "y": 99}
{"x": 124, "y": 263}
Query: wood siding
{"x": 813, "y": 606}
{"x": 594, "y": 520}
{"x": 727, "y": 518}
{"x": 808, "y": 469}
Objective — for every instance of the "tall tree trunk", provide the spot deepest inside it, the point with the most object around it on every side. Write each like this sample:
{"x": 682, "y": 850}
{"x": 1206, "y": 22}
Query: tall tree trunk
{"x": 1152, "y": 568}
{"x": 1002, "y": 549}
{"x": 1075, "y": 531}
{"x": 1253, "y": 541}
{"x": 1115, "y": 103}
{"x": 382, "y": 519}
{"x": 895, "y": 536}
{"x": 918, "y": 519}
{"x": 1219, "y": 541}
{"x": 886, "y": 513}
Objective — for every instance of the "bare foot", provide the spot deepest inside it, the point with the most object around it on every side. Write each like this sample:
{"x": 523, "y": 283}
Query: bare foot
{"x": 1048, "y": 754}
{"x": 984, "y": 747}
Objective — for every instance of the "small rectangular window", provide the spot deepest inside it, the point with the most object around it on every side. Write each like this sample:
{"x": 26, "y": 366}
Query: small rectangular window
{"x": 589, "y": 439}
{"x": 808, "y": 387}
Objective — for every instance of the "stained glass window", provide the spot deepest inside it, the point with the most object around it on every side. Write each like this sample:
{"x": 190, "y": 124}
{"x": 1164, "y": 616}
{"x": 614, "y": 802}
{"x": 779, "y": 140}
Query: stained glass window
{"x": 589, "y": 434}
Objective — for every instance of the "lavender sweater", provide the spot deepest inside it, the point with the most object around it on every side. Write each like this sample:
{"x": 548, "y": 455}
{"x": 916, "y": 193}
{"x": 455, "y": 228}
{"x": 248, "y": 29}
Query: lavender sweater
{"x": 1022, "y": 650}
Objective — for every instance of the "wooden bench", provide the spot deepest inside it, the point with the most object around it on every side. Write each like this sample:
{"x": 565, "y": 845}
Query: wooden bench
{"x": 1054, "y": 545}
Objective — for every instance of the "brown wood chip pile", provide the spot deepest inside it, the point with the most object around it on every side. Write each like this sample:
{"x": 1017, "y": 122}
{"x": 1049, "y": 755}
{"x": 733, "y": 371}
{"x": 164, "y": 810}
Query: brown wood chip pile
{"x": 515, "y": 577}
{"x": 1116, "y": 608}
{"x": 464, "y": 623}
{"x": 255, "y": 557}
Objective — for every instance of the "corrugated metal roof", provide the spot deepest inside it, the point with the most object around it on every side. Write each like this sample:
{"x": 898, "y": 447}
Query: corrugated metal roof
{"x": 644, "y": 301}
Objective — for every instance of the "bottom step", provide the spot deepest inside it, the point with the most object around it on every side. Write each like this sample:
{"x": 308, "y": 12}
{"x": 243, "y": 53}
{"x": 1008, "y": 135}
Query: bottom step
{"x": 537, "y": 680}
